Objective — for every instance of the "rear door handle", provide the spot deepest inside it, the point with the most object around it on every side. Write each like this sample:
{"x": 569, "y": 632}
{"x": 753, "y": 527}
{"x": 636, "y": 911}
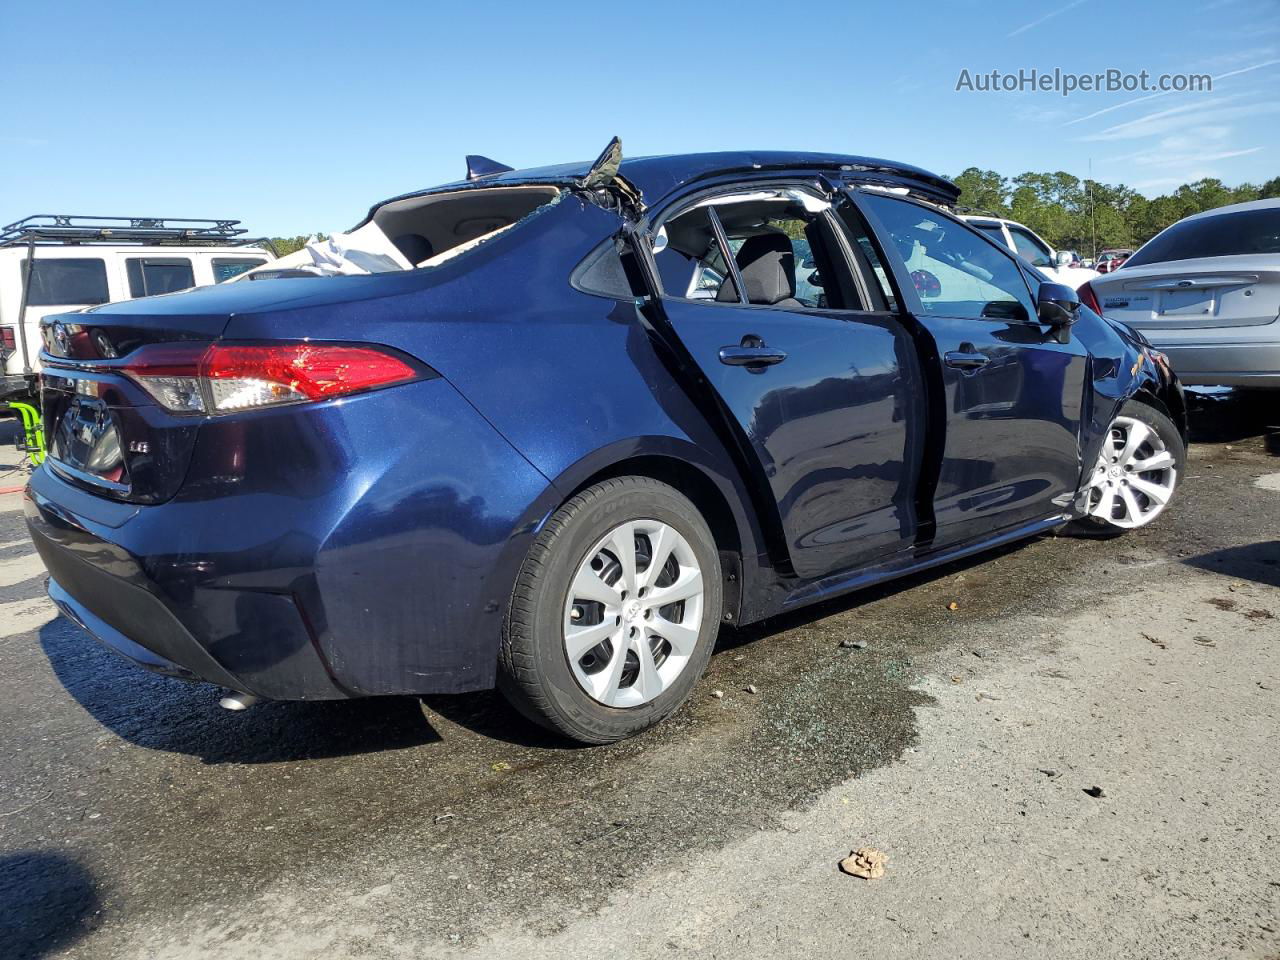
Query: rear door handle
{"x": 751, "y": 356}
{"x": 752, "y": 352}
{"x": 963, "y": 360}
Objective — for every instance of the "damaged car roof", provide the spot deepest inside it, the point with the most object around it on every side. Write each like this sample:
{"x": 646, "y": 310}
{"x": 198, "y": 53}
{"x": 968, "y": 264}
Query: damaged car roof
{"x": 654, "y": 177}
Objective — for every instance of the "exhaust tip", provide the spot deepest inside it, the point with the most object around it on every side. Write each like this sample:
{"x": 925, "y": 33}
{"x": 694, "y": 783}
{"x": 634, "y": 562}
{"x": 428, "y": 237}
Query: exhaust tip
{"x": 237, "y": 701}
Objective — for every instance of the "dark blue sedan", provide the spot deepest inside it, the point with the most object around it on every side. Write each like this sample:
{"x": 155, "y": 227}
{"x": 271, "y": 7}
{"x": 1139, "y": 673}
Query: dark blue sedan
{"x": 548, "y": 429}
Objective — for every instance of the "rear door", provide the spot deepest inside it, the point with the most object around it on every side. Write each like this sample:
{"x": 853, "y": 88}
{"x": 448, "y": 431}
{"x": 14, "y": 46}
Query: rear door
{"x": 151, "y": 275}
{"x": 826, "y": 391}
{"x": 1012, "y": 396}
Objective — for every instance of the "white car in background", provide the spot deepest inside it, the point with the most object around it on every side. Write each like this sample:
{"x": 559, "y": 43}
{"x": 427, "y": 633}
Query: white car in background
{"x": 85, "y": 261}
{"x": 1206, "y": 292}
{"x": 1027, "y": 244}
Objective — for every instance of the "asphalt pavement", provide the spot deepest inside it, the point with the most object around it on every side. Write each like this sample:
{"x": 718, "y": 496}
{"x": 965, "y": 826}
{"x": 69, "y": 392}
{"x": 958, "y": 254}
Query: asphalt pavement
{"x": 1079, "y": 759}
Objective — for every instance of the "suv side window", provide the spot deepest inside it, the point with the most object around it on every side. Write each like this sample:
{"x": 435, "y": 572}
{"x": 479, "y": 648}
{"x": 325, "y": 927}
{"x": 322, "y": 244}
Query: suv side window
{"x": 1029, "y": 248}
{"x": 992, "y": 230}
{"x": 955, "y": 272}
{"x": 67, "y": 281}
{"x": 151, "y": 275}
{"x": 224, "y": 268}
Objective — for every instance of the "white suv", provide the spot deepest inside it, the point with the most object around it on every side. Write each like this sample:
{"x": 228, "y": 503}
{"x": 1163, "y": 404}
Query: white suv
{"x": 1024, "y": 241}
{"x": 84, "y": 261}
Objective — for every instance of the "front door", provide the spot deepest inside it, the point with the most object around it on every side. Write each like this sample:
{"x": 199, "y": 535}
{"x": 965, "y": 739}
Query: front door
{"x": 1012, "y": 394}
{"x": 826, "y": 393}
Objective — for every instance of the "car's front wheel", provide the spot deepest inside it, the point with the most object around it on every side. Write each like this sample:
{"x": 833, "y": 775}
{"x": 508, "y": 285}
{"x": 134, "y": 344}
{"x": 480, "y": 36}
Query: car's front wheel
{"x": 615, "y": 612}
{"x": 1137, "y": 471}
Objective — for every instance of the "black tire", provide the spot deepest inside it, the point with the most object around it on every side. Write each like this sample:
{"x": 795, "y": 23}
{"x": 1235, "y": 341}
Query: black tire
{"x": 533, "y": 670}
{"x": 1099, "y": 529}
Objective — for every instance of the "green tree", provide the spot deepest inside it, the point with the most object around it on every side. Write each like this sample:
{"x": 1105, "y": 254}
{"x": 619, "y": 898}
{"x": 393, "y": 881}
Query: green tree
{"x": 1204, "y": 195}
{"x": 984, "y": 190}
{"x": 287, "y": 245}
{"x": 1089, "y": 216}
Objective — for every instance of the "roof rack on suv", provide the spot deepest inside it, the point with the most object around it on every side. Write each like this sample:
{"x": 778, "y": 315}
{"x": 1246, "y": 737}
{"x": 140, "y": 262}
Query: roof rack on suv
{"x": 186, "y": 232}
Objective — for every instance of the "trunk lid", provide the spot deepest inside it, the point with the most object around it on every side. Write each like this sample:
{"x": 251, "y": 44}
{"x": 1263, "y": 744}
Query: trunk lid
{"x": 1218, "y": 292}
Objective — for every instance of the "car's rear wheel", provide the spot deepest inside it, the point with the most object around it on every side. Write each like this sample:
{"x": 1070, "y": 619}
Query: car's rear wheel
{"x": 1137, "y": 471}
{"x": 615, "y": 612}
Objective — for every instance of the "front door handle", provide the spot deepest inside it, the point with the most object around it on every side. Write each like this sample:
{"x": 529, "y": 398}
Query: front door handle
{"x": 752, "y": 352}
{"x": 964, "y": 360}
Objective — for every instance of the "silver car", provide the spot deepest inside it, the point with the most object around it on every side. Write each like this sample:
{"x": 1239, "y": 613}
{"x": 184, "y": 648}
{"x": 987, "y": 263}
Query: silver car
{"x": 1206, "y": 291}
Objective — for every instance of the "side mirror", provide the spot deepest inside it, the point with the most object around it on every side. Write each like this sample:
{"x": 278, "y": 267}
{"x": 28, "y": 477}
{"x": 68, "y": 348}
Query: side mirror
{"x": 1062, "y": 258}
{"x": 1057, "y": 304}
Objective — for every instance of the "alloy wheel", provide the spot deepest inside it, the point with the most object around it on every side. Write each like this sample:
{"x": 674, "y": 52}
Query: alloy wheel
{"x": 632, "y": 614}
{"x": 1135, "y": 475}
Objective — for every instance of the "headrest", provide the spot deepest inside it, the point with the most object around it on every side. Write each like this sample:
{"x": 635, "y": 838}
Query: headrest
{"x": 767, "y": 263}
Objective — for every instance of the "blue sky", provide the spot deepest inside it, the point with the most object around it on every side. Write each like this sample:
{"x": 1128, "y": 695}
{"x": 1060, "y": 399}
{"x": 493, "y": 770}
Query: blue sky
{"x": 297, "y": 116}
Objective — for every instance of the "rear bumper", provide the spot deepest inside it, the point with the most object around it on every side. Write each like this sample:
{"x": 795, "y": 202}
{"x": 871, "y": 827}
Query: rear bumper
{"x": 1223, "y": 364}
{"x": 117, "y": 642}
{"x": 254, "y": 642}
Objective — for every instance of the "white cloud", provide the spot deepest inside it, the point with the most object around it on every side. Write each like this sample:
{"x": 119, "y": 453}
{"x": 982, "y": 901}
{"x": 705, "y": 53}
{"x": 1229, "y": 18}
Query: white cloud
{"x": 1177, "y": 120}
{"x": 1117, "y": 106}
{"x": 1256, "y": 66}
{"x": 1165, "y": 93}
{"x": 1231, "y": 58}
{"x": 1048, "y": 16}
{"x": 1163, "y": 183}
{"x": 1192, "y": 138}
{"x": 1038, "y": 113}
{"x": 1140, "y": 126}
{"x": 1159, "y": 158}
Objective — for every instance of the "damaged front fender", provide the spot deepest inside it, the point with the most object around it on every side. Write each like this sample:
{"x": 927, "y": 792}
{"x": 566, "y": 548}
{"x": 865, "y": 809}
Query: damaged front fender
{"x": 1125, "y": 366}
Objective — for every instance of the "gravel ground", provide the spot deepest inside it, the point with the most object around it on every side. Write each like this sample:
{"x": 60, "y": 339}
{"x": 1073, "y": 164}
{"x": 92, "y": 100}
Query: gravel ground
{"x": 138, "y": 820}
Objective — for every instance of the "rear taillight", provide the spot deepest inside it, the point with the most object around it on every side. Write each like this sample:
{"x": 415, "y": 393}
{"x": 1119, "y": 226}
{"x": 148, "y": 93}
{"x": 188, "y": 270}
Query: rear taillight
{"x": 1089, "y": 298}
{"x": 223, "y": 378}
{"x": 8, "y": 340}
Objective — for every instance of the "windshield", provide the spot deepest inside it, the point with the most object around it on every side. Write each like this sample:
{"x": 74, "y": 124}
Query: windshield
{"x": 1221, "y": 235}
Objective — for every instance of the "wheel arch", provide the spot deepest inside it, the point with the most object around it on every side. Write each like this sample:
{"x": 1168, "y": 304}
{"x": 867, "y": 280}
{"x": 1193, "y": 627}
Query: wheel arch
{"x": 1145, "y": 394}
{"x": 684, "y": 465}
{"x": 701, "y": 490}
{"x": 715, "y": 493}
{"x": 1168, "y": 401}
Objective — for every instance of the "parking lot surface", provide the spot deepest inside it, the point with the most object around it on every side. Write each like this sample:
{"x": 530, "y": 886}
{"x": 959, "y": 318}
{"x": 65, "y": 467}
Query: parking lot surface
{"x": 1078, "y": 759}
